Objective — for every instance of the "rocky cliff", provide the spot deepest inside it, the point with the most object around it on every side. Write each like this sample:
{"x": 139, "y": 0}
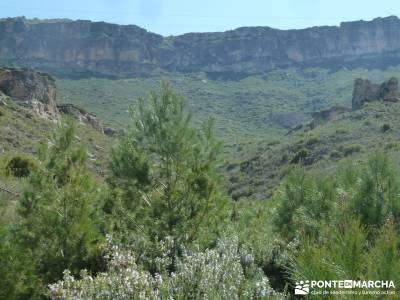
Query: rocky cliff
{"x": 85, "y": 117}
{"x": 78, "y": 48}
{"x": 33, "y": 89}
{"x": 37, "y": 93}
{"x": 366, "y": 91}
{"x": 81, "y": 115}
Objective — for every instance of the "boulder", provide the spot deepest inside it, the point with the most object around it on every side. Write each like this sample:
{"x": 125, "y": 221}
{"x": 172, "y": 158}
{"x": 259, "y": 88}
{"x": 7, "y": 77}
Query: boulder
{"x": 111, "y": 131}
{"x": 365, "y": 91}
{"x": 81, "y": 115}
{"x": 389, "y": 90}
{"x": 32, "y": 89}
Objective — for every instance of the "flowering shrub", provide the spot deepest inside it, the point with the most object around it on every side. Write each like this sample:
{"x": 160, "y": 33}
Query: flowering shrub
{"x": 124, "y": 280}
{"x": 220, "y": 273}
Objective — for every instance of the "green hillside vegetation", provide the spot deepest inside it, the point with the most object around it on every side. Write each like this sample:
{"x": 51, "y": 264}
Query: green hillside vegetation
{"x": 21, "y": 135}
{"x": 252, "y": 116}
{"x": 352, "y": 136}
{"x": 254, "y": 108}
{"x": 160, "y": 225}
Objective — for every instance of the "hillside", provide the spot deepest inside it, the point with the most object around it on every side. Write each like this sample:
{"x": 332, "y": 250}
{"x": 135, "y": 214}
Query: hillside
{"x": 251, "y": 109}
{"x": 257, "y": 152}
{"x": 25, "y": 125}
{"x": 253, "y": 171}
{"x": 349, "y": 137}
{"x": 255, "y": 163}
{"x": 84, "y": 48}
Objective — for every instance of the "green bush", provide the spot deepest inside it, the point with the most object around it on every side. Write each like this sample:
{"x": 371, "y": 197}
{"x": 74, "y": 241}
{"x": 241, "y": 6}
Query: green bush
{"x": 300, "y": 156}
{"x": 225, "y": 272}
{"x": 346, "y": 225}
{"x": 376, "y": 195}
{"x": 312, "y": 141}
{"x": 350, "y": 149}
{"x": 58, "y": 226}
{"x": 385, "y": 127}
{"x": 303, "y": 202}
{"x": 343, "y": 248}
{"x": 335, "y": 154}
{"x": 19, "y": 166}
{"x": 348, "y": 252}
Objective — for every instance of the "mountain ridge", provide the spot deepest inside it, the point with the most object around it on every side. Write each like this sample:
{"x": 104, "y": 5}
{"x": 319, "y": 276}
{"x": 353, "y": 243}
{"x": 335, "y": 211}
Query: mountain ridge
{"x": 84, "y": 48}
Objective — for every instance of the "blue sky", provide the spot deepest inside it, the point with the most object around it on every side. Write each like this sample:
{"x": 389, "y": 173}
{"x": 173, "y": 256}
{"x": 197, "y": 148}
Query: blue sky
{"x": 168, "y": 17}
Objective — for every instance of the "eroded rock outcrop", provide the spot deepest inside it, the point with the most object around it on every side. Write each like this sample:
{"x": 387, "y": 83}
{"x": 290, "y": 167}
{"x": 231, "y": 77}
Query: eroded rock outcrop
{"x": 81, "y": 115}
{"x": 85, "y": 117}
{"x": 32, "y": 89}
{"x": 37, "y": 92}
{"x": 366, "y": 91}
{"x": 79, "y": 48}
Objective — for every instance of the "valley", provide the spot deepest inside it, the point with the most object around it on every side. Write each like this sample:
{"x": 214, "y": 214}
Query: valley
{"x": 222, "y": 165}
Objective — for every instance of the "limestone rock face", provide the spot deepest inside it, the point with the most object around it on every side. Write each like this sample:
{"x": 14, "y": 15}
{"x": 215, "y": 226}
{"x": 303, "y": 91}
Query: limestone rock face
{"x": 389, "y": 90}
{"x": 32, "y": 89}
{"x": 85, "y": 117}
{"x": 365, "y": 91}
{"x": 80, "y": 48}
{"x": 81, "y": 115}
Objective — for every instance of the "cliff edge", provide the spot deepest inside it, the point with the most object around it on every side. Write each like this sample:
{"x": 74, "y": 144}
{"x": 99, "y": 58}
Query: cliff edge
{"x": 83, "y": 48}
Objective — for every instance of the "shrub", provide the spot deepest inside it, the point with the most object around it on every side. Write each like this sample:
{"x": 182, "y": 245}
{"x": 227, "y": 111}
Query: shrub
{"x": 355, "y": 235}
{"x": 57, "y": 225}
{"x": 385, "y": 127}
{"x": 350, "y": 149}
{"x": 302, "y": 203}
{"x": 300, "y": 156}
{"x": 335, "y": 154}
{"x": 220, "y": 273}
{"x": 348, "y": 252}
{"x": 20, "y": 166}
{"x": 273, "y": 143}
{"x": 339, "y": 254}
{"x": 392, "y": 145}
{"x": 312, "y": 141}
{"x": 376, "y": 195}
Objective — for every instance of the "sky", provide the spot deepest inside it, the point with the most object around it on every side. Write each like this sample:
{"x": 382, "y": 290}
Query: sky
{"x": 173, "y": 17}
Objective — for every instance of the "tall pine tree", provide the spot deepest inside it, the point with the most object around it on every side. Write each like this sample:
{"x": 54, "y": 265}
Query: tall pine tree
{"x": 163, "y": 173}
{"x": 58, "y": 223}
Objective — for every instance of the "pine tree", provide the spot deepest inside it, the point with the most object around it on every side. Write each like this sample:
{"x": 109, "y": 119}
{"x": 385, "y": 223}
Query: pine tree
{"x": 384, "y": 257}
{"x": 338, "y": 253}
{"x": 303, "y": 203}
{"x": 58, "y": 227}
{"x": 163, "y": 173}
{"x": 376, "y": 196}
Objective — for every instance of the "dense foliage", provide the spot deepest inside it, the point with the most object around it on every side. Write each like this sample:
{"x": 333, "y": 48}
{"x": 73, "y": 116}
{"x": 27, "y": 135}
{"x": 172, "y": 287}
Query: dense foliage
{"x": 56, "y": 226}
{"x": 161, "y": 227}
{"x": 346, "y": 226}
{"x": 163, "y": 173}
{"x": 213, "y": 274}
